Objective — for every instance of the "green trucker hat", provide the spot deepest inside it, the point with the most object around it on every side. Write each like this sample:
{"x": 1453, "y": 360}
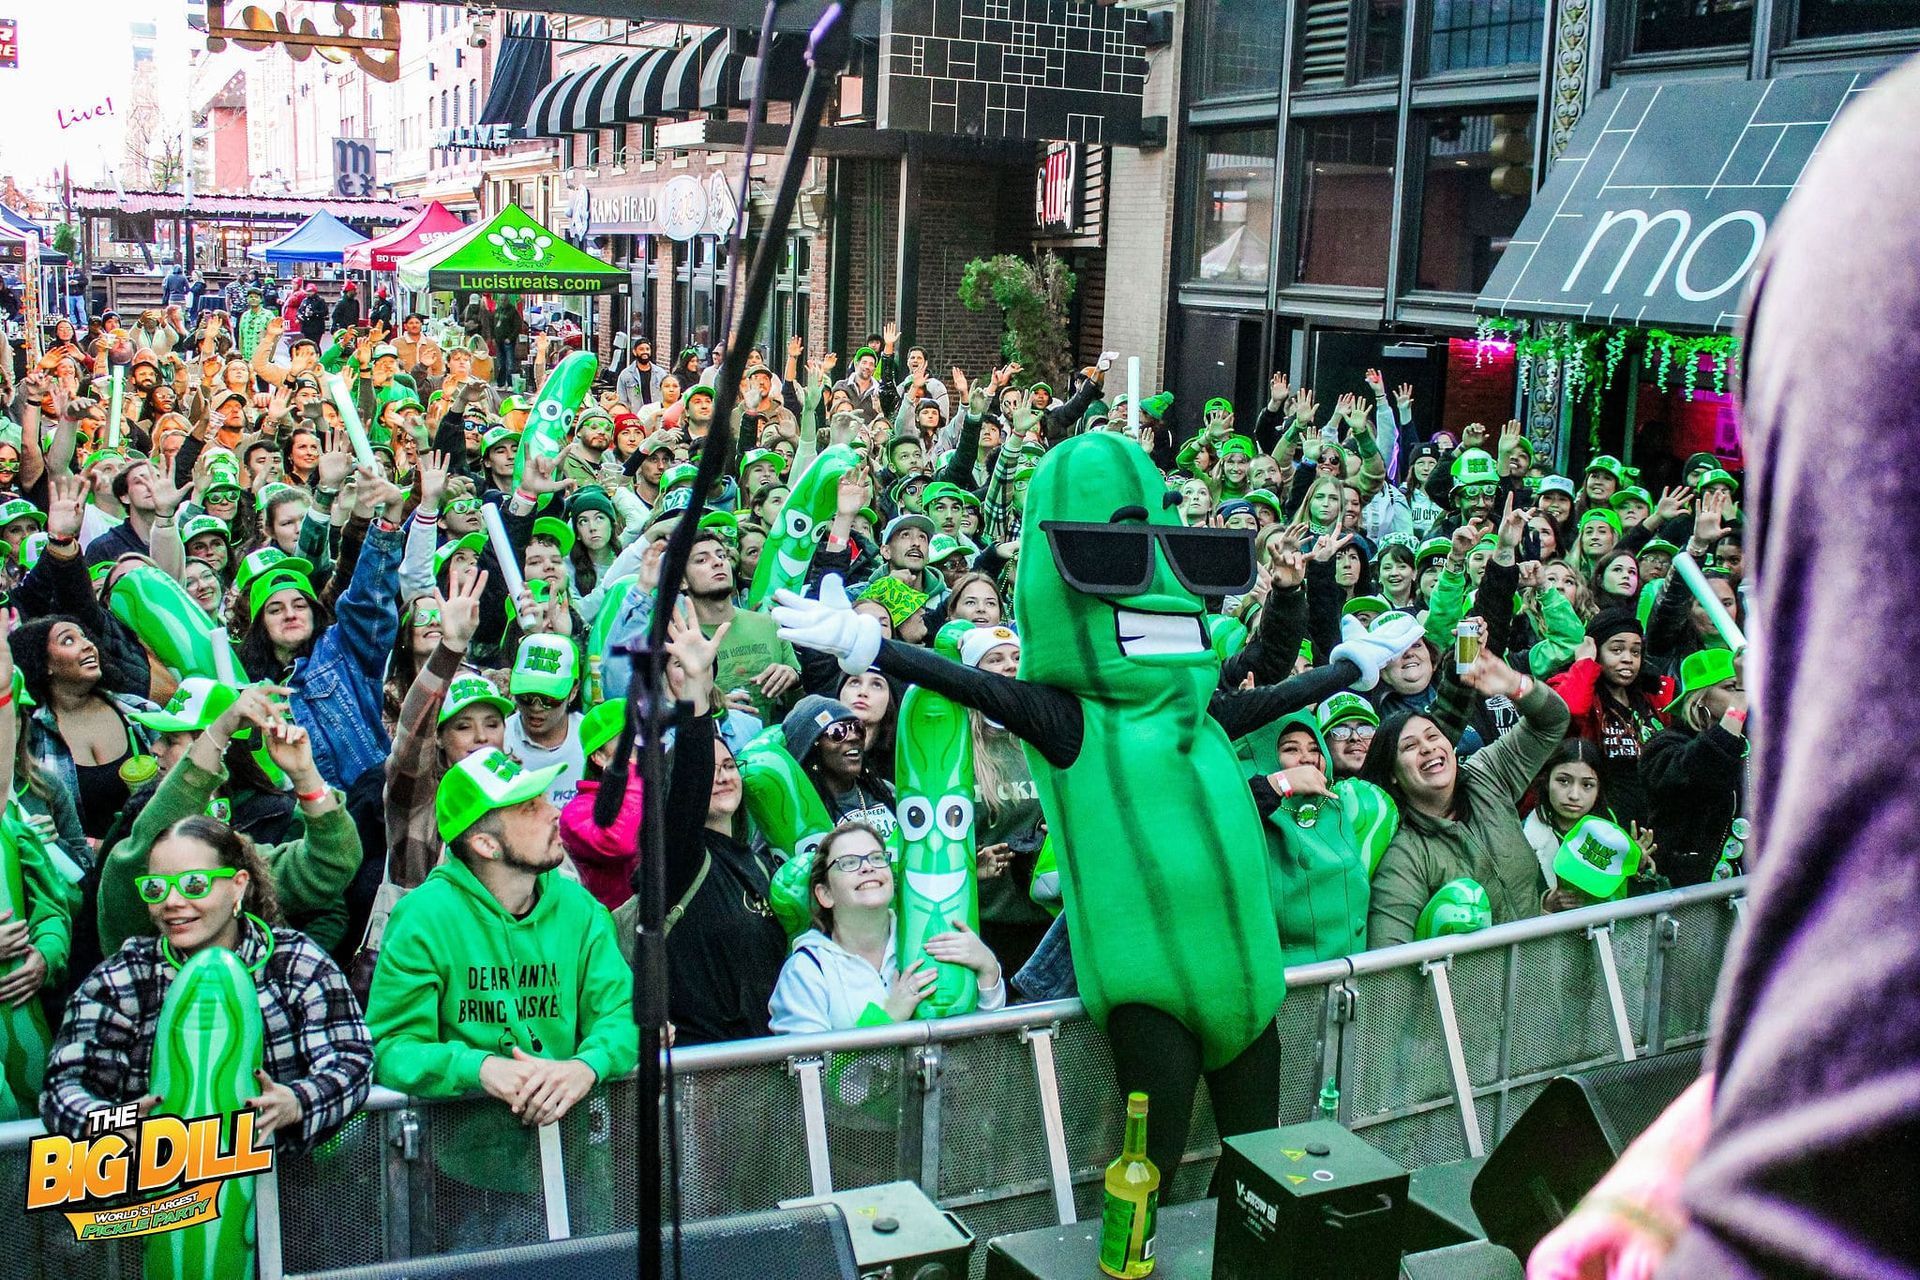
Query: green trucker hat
{"x": 483, "y": 782}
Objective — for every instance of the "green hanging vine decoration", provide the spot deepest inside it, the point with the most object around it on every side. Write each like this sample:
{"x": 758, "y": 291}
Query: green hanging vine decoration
{"x": 1663, "y": 349}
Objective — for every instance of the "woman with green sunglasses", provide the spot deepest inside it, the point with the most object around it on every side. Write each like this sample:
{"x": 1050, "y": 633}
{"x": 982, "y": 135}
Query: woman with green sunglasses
{"x": 204, "y": 886}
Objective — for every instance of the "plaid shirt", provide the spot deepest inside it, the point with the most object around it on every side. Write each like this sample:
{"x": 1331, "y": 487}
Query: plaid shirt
{"x": 413, "y": 772}
{"x": 316, "y": 1041}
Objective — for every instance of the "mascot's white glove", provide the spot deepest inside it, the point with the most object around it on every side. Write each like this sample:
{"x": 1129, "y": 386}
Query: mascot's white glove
{"x": 1373, "y": 650}
{"x": 829, "y": 624}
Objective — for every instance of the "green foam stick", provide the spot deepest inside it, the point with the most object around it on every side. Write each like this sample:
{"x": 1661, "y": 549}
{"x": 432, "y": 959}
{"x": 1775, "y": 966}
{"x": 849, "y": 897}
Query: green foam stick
{"x": 24, "y": 1036}
{"x": 936, "y": 886}
{"x": 809, "y": 509}
{"x": 209, "y": 1042}
{"x": 167, "y": 621}
{"x": 117, "y": 383}
{"x": 785, "y": 807}
{"x": 551, "y": 418}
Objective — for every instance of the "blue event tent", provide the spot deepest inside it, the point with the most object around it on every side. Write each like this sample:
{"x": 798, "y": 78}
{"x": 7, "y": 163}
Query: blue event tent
{"x": 321, "y": 238}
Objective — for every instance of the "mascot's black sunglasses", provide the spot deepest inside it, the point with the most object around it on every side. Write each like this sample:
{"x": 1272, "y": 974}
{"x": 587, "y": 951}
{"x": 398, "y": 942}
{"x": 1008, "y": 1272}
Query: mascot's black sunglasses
{"x": 1117, "y": 559}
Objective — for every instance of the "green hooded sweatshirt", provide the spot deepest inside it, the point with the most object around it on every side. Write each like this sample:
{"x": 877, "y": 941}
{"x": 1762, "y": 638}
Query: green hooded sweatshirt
{"x": 460, "y": 980}
{"x": 1316, "y": 873}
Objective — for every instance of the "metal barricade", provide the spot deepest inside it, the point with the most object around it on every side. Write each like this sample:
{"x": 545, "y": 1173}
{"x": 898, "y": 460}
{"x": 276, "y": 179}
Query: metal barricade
{"x": 1006, "y": 1118}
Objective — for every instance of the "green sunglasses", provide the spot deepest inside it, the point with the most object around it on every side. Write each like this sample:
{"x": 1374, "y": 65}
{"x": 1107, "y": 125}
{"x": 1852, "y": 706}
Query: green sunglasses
{"x": 1479, "y": 490}
{"x": 193, "y": 885}
{"x": 461, "y": 506}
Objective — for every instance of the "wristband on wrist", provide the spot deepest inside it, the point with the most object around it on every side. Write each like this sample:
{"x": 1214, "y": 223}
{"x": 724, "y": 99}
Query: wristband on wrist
{"x": 1286, "y": 784}
{"x": 1526, "y": 687}
{"x": 312, "y": 797}
{"x": 6, "y": 698}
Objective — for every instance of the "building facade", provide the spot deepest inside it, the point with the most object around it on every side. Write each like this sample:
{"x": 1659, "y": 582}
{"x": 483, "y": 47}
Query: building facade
{"x": 1352, "y": 171}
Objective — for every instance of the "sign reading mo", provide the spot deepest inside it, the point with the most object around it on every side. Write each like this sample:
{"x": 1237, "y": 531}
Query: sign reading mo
{"x": 1711, "y": 262}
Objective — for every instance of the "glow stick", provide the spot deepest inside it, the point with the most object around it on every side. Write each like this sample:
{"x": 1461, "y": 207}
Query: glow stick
{"x": 113, "y": 412}
{"x": 1133, "y": 396}
{"x": 1717, "y": 614}
{"x": 510, "y": 575}
{"x": 350, "y": 418}
{"x": 225, "y": 669}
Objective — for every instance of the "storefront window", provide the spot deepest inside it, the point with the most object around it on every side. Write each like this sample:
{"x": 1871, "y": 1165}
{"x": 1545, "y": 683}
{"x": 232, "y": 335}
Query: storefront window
{"x": 1240, "y": 46}
{"x": 1233, "y": 215}
{"x": 1484, "y": 33}
{"x": 1473, "y": 193}
{"x": 1668, "y": 26}
{"x": 1346, "y": 201}
{"x": 1855, "y": 17}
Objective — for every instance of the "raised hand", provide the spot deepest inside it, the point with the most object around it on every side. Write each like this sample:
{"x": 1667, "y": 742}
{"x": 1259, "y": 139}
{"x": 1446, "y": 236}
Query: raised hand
{"x": 1289, "y": 570}
{"x": 1709, "y": 522}
{"x": 1276, "y": 391}
{"x": 1674, "y": 500}
{"x": 796, "y": 346}
{"x": 66, "y": 506}
{"x": 851, "y": 495}
{"x": 1474, "y": 436}
{"x": 538, "y": 478}
{"x": 1327, "y": 545}
{"x": 432, "y": 478}
{"x": 1513, "y": 525}
{"x": 1376, "y": 383}
{"x": 1490, "y": 675}
{"x": 694, "y": 652}
{"x": 460, "y": 608}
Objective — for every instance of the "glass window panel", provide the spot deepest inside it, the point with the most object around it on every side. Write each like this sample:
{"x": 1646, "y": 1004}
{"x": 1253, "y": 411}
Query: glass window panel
{"x": 1667, "y": 26}
{"x": 1241, "y": 43}
{"x": 1233, "y": 206}
{"x": 1383, "y": 38}
{"x": 1467, "y": 34}
{"x": 1474, "y": 191}
{"x": 1346, "y": 201}
{"x": 1856, "y": 17}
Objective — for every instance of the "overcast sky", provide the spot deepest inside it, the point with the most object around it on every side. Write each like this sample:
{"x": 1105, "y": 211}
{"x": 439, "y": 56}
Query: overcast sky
{"x": 74, "y": 55}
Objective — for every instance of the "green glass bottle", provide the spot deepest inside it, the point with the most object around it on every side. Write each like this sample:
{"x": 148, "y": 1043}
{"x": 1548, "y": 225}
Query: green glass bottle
{"x": 1133, "y": 1198}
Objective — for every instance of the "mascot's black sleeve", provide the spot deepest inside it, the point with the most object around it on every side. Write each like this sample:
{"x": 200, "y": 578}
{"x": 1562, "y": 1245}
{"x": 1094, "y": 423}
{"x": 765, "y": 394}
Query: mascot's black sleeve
{"x": 1242, "y": 713}
{"x": 1038, "y": 714}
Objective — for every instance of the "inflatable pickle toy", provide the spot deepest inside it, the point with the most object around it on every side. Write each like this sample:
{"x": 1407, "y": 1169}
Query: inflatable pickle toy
{"x": 787, "y": 810}
{"x": 809, "y": 508}
{"x": 936, "y": 885}
{"x": 551, "y": 417}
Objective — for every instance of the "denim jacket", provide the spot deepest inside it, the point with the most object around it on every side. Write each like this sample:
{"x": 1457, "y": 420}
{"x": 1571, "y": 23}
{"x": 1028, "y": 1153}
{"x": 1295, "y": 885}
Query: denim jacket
{"x": 336, "y": 688}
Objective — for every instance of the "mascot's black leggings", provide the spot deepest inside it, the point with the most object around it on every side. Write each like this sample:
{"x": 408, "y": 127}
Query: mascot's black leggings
{"x": 1155, "y": 1055}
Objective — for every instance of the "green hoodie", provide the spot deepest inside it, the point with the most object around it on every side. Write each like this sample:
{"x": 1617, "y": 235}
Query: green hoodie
{"x": 460, "y": 980}
{"x": 1316, "y": 873}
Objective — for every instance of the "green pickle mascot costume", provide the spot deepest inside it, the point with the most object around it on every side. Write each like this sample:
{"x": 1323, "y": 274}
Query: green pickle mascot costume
{"x": 209, "y": 1042}
{"x": 936, "y": 885}
{"x": 1160, "y": 851}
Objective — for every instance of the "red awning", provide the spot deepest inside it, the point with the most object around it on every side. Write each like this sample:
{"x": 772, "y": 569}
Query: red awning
{"x": 380, "y": 253}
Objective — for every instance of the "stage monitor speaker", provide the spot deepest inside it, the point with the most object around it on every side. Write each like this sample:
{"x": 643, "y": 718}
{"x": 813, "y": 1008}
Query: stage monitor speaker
{"x": 808, "y": 1244}
{"x": 1567, "y": 1139}
{"x": 1474, "y": 1260}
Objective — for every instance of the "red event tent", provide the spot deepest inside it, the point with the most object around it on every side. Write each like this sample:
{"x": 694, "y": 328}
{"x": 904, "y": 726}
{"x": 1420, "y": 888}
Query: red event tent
{"x": 382, "y": 252}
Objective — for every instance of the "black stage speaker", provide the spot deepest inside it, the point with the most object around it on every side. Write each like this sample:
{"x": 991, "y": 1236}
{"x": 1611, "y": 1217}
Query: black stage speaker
{"x": 1569, "y": 1138}
{"x": 807, "y": 1244}
{"x": 1475, "y": 1260}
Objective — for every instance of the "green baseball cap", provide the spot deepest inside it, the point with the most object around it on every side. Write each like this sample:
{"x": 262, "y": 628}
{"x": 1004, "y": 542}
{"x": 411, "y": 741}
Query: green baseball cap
{"x": 1603, "y": 515}
{"x": 258, "y": 562}
{"x": 1703, "y": 669}
{"x": 276, "y": 580}
{"x": 20, "y": 509}
{"x": 1218, "y": 404}
{"x": 1622, "y": 497}
{"x": 559, "y": 530}
{"x": 673, "y": 477}
{"x": 1241, "y": 445}
{"x": 1366, "y": 604}
{"x": 483, "y": 782}
{"x": 753, "y": 456}
{"x": 1264, "y": 498}
{"x": 1597, "y": 857}
{"x": 475, "y": 542}
{"x": 269, "y": 492}
{"x": 701, "y": 389}
{"x": 546, "y": 664}
{"x": 941, "y": 489}
{"x": 602, "y": 725}
{"x": 193, "y": 528}
{"x": 1718, "y": 476}
{"x": 1431, "y": 549}
{"x": 725, "y": 522}
{"x": 944, "y": 547}
{"x": 1475, "y": 466}
{"x": 471, "y": 691}
{"x": 514, "y": 404}
{"x": 1658, "y": 545}
{"x": 1344, "y": 706}
{"x": 1458, "y": 906}
{"x": 197, "y": 703}
{"x": 1608, "y": 463}
{"x": 498, "y": 436}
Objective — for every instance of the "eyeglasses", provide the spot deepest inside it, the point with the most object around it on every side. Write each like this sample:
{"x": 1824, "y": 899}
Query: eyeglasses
{"x": 851, "y": 862}
{"x": 1118, "y": 559}
{"x": 1350, "y": 733}
{"x": 461, "y": 506}
{"x": 193, "y": 885}
{"x": 537, "y": 701}
{"x": 842, "y": 731}
{"x": 1479, "y": 490}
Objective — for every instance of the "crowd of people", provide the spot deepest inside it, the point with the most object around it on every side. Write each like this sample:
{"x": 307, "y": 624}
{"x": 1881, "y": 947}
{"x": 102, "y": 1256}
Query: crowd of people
{"x": 1461, "y": 690}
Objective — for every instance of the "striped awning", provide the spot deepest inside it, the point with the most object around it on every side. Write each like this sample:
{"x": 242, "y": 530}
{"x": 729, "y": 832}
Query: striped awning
{"x": 705, "y": 74}
{"x": 551, "y": 114}
{"x": 637, "y": 95}
{"x": 681, "y": 95}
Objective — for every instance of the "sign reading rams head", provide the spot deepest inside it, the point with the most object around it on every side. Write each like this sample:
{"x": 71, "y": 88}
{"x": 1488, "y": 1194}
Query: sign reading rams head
{"x": 1657, "y": 210}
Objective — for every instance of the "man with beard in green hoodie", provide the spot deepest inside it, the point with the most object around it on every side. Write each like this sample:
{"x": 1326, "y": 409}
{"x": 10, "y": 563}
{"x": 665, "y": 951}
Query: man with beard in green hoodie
{"x": 498, "y": 975}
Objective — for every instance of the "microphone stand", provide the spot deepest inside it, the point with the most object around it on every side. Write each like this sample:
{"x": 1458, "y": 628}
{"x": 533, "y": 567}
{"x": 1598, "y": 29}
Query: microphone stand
{"x": 649, "y": 706}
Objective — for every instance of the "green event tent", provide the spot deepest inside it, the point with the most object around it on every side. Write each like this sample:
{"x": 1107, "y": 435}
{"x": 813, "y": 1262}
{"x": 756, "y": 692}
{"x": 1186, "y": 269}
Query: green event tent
{"x": 508, "y": 253}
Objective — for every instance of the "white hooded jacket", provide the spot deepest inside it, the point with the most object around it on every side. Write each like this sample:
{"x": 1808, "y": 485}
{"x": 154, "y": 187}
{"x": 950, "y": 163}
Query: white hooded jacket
{"x": 825, "y": 987}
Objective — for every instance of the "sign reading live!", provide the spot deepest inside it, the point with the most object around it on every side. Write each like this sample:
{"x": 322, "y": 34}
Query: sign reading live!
{"x": 680, "y": 208}
{"x": 9, "y": 44}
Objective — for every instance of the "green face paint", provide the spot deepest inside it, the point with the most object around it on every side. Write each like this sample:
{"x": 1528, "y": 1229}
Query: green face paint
{"x": 209, "y": 1041}
{"x": 24, "y": 1035}
{"x": 1150, "y": 821}
{"x": 167, "y": 621}
{"x": 545, "y": 434}
{"x": 936, "y": 886}
{"x": 809, "y": 509}
{"x": 785, "y": 807}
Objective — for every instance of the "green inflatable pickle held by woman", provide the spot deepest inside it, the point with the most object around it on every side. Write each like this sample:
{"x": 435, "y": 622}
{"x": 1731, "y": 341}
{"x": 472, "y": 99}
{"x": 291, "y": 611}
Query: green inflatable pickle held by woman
{"x": 936, "y": 885}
